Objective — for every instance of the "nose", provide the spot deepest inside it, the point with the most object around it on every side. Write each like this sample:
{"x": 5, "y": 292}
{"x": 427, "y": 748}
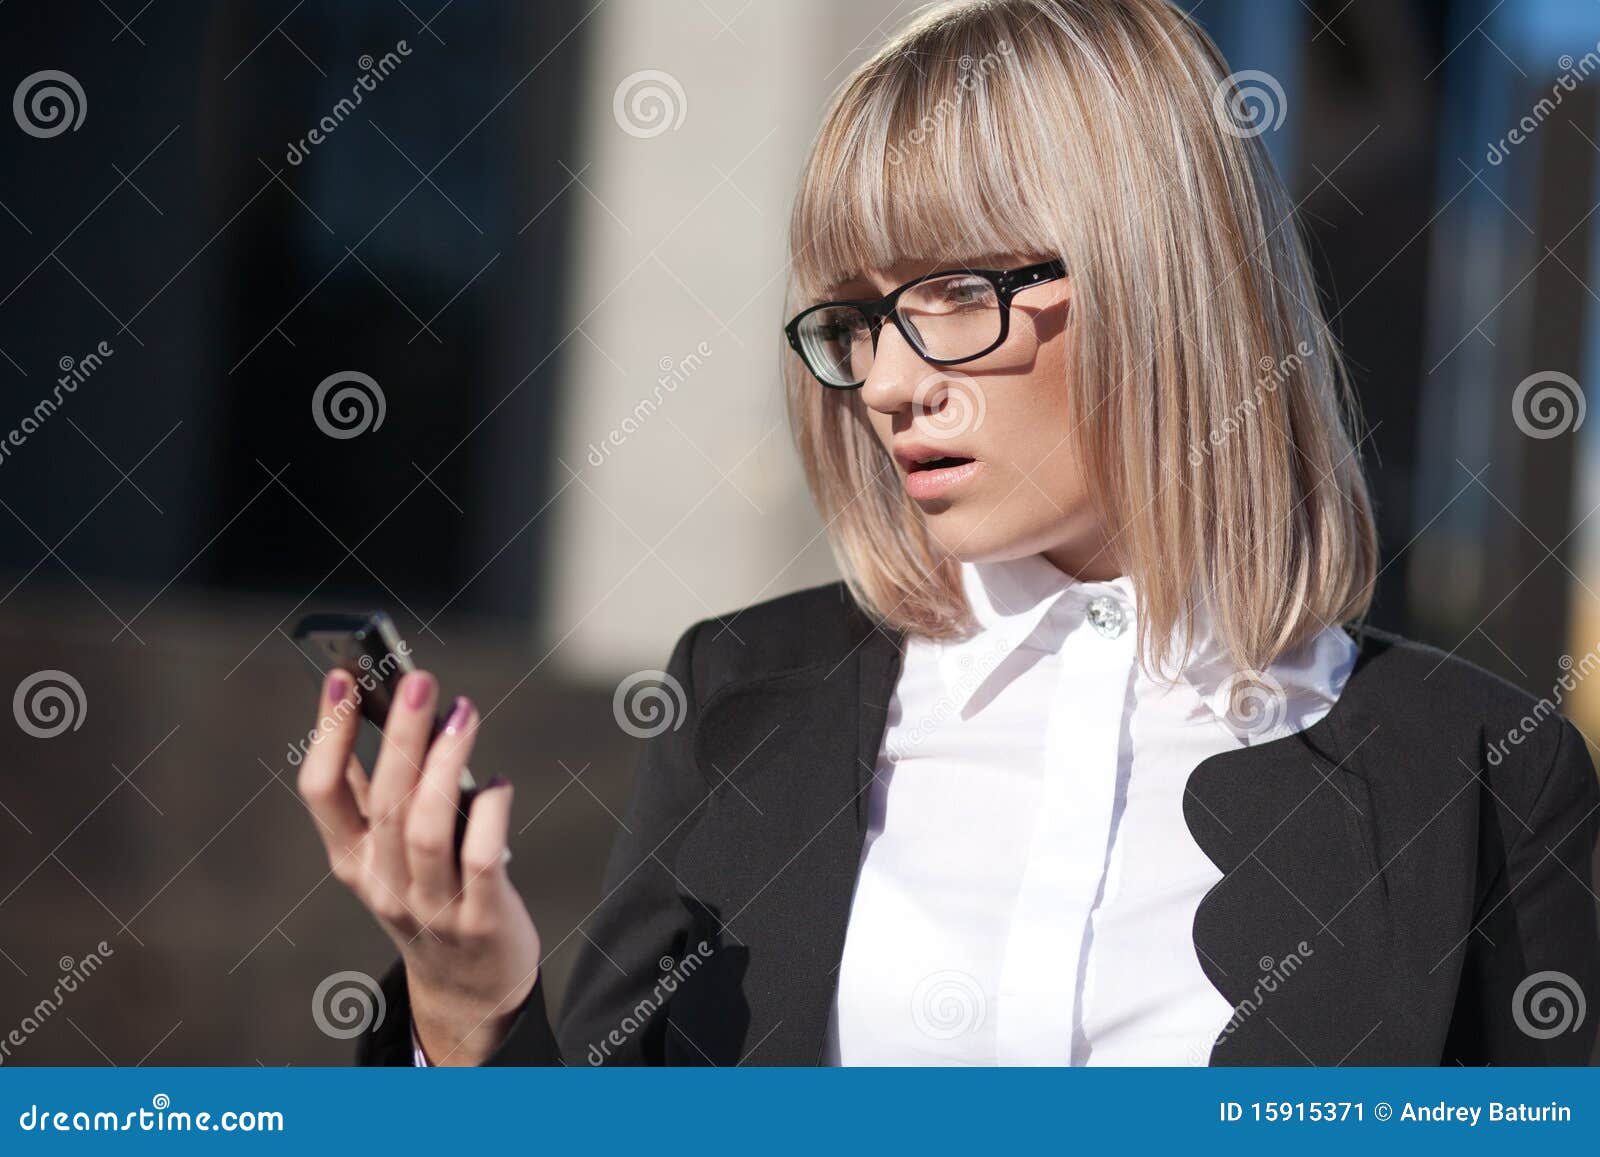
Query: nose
{"x": 897, "y": 370}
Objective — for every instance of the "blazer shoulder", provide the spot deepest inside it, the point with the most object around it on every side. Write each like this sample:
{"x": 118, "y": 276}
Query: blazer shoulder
{"x": 1445, "y": 701}
{"x": 818, "y": 625}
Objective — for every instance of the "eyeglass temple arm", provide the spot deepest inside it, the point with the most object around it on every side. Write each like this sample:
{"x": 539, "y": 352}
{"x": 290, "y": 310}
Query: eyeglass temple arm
{"x": 1014, "y": 279}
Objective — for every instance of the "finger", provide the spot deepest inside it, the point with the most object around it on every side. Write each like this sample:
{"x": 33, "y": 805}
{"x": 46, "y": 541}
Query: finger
{"x": 356, "y": 776}
{"x": 483, "y": 854}
{"x": 322, "y": 781}
{"x": 431, "y": 824}
{"x": 394, "y": 780}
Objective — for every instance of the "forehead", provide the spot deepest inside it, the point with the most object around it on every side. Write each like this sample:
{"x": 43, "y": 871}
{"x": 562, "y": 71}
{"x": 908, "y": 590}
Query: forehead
{"x": 884, "y": 279}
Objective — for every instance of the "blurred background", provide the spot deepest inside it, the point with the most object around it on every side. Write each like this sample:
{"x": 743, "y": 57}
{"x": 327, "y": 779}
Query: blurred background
{"x": 470, "y": 312}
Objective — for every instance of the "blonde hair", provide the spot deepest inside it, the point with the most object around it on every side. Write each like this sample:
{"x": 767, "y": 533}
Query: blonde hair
{"x": 1209, "y": 401}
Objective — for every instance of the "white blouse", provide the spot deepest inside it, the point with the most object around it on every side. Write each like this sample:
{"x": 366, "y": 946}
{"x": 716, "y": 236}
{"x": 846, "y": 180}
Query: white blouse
{"x": 1028, "y": 884}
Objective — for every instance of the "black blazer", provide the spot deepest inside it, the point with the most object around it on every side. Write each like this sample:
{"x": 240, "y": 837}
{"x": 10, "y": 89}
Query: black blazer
{"x": 1431, "y": 863}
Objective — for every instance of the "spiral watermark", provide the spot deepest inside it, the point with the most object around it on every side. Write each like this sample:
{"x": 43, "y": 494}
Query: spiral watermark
{"x": 649, "y": 702}
{"x": 347, "y": 1004}
{"x": 948, "y": 1004}
{"x": 49, "y": 103}
{"x": 648, "y": 103}
{"x": 1547, "y": 1004}
{"x": 1548, "y": 404}
{"x": 1251, "y": 703}
{"x": 49, "y": 703}
{"x": 348, "y": 404}
{"x": 955, "y": 404}
{"x": 1249, "y": 103}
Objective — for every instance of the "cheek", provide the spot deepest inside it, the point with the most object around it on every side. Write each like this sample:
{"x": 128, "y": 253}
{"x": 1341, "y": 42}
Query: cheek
{"x": 1029, "y": 426}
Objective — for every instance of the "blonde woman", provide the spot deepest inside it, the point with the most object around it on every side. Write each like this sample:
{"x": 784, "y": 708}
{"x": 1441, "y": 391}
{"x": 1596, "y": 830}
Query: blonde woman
{"x": 1082, "y": 763}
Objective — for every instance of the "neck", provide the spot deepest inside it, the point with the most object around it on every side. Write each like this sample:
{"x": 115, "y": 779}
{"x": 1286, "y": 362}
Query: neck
{"x": 1085, "y": 563}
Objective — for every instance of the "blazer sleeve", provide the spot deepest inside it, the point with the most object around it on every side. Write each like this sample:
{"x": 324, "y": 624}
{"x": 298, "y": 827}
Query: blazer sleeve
{"x": 616, "y": 1009}
{"x": 1530, "y": 986}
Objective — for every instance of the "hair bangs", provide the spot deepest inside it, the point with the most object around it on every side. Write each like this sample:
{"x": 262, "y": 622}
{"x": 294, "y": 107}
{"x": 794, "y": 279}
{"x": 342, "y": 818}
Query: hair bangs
{"x": 922, "y": 159}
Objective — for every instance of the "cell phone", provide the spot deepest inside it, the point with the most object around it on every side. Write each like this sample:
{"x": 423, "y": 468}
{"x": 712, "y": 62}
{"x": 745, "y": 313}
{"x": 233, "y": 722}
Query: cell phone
{"x": 369, "y": 648}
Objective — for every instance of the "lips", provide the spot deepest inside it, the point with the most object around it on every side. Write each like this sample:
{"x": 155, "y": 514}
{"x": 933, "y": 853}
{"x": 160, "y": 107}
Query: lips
{"x": 934, "y": 471}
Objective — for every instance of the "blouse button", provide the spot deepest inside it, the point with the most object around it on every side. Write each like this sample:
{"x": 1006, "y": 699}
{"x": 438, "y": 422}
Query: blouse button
{"x": 1107, "y": 616}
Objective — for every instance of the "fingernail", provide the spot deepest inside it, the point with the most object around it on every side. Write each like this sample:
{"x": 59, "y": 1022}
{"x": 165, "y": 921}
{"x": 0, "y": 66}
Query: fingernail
{"x": 418, "y": 690}
{"x": 497, "y": 781}
{"x": 338, "y": 686}
{"x": 459, "y": 714}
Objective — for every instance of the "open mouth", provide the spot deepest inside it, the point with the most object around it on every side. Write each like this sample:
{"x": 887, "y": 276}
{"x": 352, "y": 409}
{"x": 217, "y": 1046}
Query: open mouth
{"x": 938, "y": 476}
{"x": 939, "y": 463}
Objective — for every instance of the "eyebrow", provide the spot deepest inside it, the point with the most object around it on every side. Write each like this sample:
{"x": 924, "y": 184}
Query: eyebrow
{"x": 834, "y": 290}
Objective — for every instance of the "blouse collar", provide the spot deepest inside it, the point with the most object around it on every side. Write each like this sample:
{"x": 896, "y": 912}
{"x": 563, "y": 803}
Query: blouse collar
{"x": 1012, "y": 600}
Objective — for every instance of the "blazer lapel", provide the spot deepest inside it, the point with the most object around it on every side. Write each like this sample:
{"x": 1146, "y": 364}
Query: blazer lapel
{"x": 1298, "y": 935}
{"x": 774, "y": 857}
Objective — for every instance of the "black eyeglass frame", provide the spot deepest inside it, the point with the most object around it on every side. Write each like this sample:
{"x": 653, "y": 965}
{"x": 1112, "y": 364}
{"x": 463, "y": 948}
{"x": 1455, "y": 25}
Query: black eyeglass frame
{"x": 1007, "y": 283}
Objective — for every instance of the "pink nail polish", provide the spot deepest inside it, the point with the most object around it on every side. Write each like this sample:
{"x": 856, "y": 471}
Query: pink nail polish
{"x": 338, "y": 686}
{"x": 459, "y": 714}
{"x": 418, "y": 690}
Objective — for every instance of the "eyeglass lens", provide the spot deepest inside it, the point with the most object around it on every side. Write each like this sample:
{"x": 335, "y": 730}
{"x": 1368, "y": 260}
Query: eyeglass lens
{"x": 950, "y": 317}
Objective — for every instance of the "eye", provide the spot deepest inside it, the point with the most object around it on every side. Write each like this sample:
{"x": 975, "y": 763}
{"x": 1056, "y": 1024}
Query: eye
{"x": 959, "y": 292}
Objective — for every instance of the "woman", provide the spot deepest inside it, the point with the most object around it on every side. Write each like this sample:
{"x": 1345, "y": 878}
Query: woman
{"x": 1079, "y": 765}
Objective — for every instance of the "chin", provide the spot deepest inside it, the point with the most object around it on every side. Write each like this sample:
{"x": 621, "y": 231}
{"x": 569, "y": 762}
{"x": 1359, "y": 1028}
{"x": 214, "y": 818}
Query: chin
{"x": 968, "y": 536}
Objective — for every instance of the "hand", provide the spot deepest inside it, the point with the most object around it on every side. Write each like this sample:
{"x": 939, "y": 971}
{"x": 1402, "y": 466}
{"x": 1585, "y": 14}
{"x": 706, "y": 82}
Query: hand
{"x": 470, "y": 948}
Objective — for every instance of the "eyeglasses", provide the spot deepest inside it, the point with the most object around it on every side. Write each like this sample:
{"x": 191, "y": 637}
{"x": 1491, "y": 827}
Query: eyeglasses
{"x": 949, "y": 317}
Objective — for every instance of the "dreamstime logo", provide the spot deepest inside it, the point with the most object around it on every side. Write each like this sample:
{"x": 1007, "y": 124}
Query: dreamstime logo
{"x": 48, "y": 703}
{"x": 674, "y": 974}
{"x": 1548, "y": 404}
{"x": 347, "y": 1004}
{"x": 1249, "y": 103}
{"x": 648, "y": 103}
{"x": 973, "y": 74}
{"x": 74, "y": 974}
{"x": 1573, "y": 672}
{"x": 948, "y": 1004}
{"x": 347, "y": 404}
{"x": 1548, "y": 1004}
{"x": 971, "y": 669}
{"x": 74, "y": 372}
{"x": 955, "y": 404}
{"x": 371, "y": 675}
{"x": 373, "y": 73}
{"x": 1251, "y": 702}
{"x": 1573, "y": 73}
{"x": 1275, "y": 973}
{"x": 1274, "y": 372}
{"x": 49, "y": 103}
{"x": 674, "y": 372}
{"x": 648, "y": 703}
